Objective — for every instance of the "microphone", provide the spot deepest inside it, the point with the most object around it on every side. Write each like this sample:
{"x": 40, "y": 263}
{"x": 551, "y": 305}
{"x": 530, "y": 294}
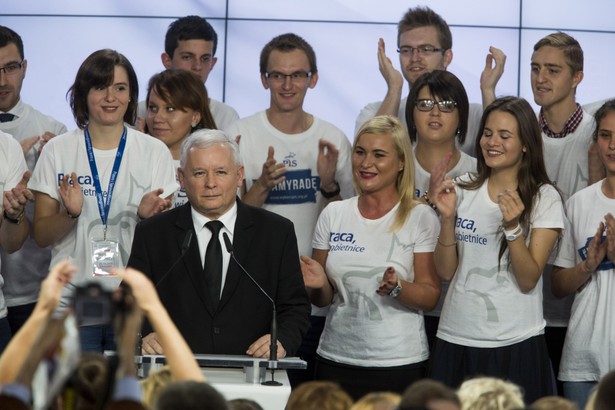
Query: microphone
{"x": 185, "y": 247}
{"x": 273, "y": 348}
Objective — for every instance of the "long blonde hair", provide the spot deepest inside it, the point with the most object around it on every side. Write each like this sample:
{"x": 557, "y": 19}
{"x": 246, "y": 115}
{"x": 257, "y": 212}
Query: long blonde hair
{"x": 386, "y": 124}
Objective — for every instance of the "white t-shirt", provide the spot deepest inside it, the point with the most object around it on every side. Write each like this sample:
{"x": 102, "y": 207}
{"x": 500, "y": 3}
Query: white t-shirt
{"x": 146, "y": 165}
{"x": 362, "y": 327}
{"x": 484, "y": 306}
{"x": 25, "y": 269}
{"x": 298, "y": 198}
{"x": 567, "y": 166}
{"x": 224, "y": 115}
{"x": 12, "y": 167}
{"x": 588, "y": 350}
{"x": 465, "y": 164}
{"x": 474, "y": 115}
{"x": 179, "y": 196}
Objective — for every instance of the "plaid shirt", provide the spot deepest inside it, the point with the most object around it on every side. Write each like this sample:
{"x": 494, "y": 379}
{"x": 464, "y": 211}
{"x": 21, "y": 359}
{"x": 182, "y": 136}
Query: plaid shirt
{"x": 569, "y": 127}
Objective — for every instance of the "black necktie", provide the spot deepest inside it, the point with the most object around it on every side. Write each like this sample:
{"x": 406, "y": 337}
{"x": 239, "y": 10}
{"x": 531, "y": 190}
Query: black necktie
{"x": 6, "y": 117}
{"x": 213, "y": 262}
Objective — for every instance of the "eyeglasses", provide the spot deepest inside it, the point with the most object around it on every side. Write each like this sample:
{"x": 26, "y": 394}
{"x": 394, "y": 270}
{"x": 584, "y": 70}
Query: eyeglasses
{"x": 421, "y": 50}
{"x": 12, "y": 68}
{"x": 426, "y": 105}
{"x": 296, "y": 77}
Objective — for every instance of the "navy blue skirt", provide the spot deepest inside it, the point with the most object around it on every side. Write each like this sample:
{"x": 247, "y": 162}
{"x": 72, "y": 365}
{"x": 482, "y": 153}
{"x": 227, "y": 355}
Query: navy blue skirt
{"x": 525, "y": 363}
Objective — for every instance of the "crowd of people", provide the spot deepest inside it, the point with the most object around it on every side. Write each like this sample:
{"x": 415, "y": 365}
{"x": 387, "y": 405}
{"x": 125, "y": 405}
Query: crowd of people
{"x": 452, "y": 255}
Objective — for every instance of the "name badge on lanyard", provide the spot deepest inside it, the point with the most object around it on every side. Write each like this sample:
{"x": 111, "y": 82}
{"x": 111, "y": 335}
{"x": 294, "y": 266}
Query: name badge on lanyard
{"x": 105, "y": 251}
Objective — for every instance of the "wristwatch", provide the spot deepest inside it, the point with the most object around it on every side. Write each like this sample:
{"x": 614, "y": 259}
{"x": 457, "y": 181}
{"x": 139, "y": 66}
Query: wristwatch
{"x": 396, "y": 290}
{"x": 332, "y": 194}
{"x": 17, "y": 220}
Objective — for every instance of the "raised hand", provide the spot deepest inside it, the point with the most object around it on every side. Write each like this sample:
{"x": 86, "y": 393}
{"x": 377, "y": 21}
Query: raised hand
{"x": 16, "y": 199}
{"x": 327, "y": 164}
{"x": 273, "y": 171}
{"x": 391, "y": 75}
{"x": 51, "y": 288}
{"x": 494, "y": 68}
{"x": 71, "y": 194}
{"x": 442, "y": 188}
{"x": 152, "y": 204}
{"x": 511, "y": 206}
{"x": 610, "y": 236}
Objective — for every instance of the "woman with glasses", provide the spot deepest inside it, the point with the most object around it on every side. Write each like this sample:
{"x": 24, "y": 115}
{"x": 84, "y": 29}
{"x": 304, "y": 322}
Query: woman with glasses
{"x": 498, "y": 227}
{"x": 177, "y": 104}
{"x": 92, "y": 185}
{"x": 373, "y": 265}
{"x": 437, "y": 118}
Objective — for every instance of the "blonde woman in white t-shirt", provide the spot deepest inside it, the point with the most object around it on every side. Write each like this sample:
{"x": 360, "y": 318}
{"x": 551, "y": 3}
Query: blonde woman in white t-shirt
{"x": 373, "y": 265}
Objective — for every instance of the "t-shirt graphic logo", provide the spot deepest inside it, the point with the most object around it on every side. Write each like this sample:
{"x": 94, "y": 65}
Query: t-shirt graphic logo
{"x": 289, "y": 160}
{"x": 298, "y": 188}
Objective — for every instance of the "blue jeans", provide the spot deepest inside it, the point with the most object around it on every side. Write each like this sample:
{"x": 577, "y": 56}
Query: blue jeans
{"x": 578, "y": 392}
{"x": 97, "y": 338}
{"x": 5, "y": 333}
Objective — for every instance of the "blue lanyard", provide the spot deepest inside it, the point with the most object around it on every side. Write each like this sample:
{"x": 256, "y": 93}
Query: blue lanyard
{"x": 104, "y": 206}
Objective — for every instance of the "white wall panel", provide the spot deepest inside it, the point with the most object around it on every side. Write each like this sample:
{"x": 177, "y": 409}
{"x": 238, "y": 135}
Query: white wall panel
{"x": 58, "y": 35}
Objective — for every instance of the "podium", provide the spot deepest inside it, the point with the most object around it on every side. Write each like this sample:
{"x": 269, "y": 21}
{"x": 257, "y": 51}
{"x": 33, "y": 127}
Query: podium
{"x": 238, "y": 377}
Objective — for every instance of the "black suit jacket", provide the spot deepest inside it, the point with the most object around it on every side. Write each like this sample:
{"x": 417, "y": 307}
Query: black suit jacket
{"x": 264, "y": 243}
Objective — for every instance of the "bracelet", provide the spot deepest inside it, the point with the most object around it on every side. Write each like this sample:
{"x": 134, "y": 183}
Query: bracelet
{"x": 514, "y": 233}
{"x": 72, "y": 216}
{"x": 446, "y": 245}
{"x": 17, "y": 220}
{"x": 331, "y": 194}
{"x": 431, "y": 204}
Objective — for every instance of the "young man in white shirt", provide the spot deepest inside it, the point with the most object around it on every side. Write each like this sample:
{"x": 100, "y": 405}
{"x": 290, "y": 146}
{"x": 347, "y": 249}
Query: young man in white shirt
{"x": 24, "y": 270}
{"x": 190, "y": 44}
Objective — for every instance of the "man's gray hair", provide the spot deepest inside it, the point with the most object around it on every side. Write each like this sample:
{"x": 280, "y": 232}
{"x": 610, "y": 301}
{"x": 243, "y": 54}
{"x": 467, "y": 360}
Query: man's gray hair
{"x": 205, "y": 138}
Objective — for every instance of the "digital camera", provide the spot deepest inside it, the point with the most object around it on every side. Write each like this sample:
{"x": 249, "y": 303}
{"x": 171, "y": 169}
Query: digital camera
{"x": 94, "y": 305}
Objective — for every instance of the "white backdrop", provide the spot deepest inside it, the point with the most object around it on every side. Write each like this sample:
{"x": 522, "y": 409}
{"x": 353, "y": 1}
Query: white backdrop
{"x": 59, "y": 34}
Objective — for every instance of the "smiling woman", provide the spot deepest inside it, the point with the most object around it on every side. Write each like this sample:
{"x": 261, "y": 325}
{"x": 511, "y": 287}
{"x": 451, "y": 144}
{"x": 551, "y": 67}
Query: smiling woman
{"x": 93, "y": 184}
{"x": 373, "y": 264}
{"x": 177, "y": 105}
{"x": 498, "y": 227}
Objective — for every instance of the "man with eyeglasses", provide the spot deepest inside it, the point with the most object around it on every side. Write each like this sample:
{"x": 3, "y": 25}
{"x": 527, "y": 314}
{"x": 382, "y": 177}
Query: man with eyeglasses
{"x": 24, "y": 270}
{"x": 424, "y": 44}
{"x": 190, "y": 44}
{"x": 295, "y": 163}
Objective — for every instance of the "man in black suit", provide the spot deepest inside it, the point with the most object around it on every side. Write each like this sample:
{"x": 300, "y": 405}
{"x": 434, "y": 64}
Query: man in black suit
{"x": 235, "y": 319}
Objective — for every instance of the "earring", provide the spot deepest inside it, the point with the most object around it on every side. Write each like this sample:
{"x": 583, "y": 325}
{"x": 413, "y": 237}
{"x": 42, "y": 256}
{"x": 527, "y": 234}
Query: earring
{"x": 194, "y": 124}
{"x": 458, "y": 133}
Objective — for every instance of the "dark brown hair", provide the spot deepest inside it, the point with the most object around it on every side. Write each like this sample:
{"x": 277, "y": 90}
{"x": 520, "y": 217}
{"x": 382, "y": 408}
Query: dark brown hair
{"x": 183, "y": 90}
{"x": 287, "y": 43}
{"x": 98, "y": 71}
{"x": 608, "y": 106}
{"x": 532, "y": 172}
{"x": 445, "y": 86}
{"x": 425, "y": 17}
